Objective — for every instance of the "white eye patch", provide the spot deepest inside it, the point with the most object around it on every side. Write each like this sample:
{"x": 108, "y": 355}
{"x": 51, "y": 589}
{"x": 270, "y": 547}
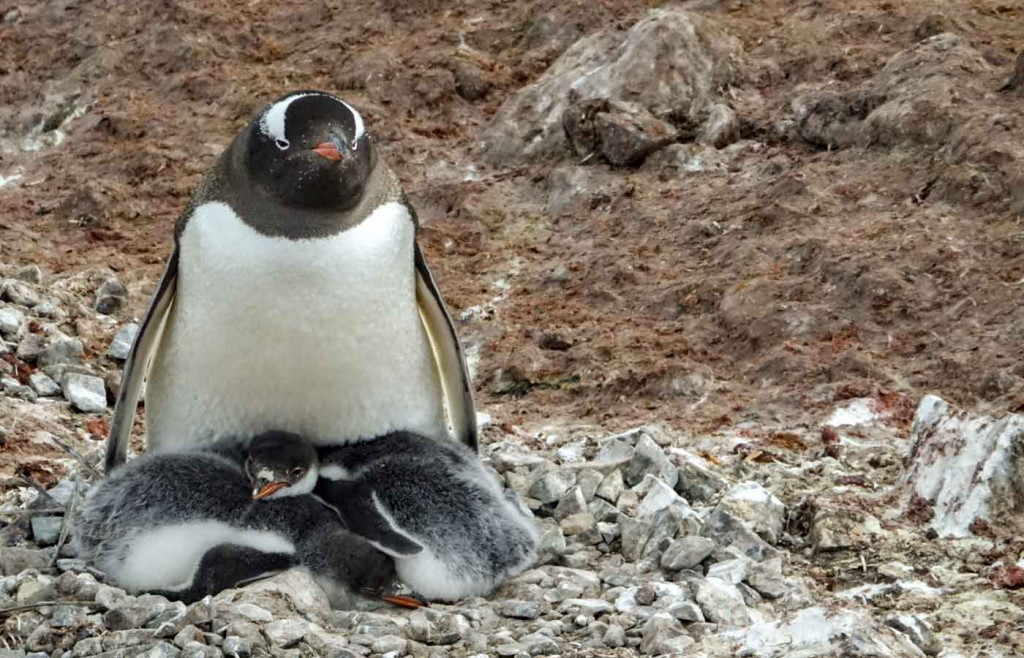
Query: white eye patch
{"x": 272, "y": 123}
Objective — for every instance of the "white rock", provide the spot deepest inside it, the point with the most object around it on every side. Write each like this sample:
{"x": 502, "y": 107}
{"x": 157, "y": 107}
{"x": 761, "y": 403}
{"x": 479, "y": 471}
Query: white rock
{"x": 286, "y": 632}
{"x": 121, "y": 345}
{"x": 611, "y": 486}
{"x": 649, "y": 459}
{"x": 43, "y": 385}
{"x": 85, "y": 392}
{"x": 965, "y": 465}
{"x": 722, "y": 603}
{"x": 759, "y": 508}
{"x": 11, "y": 320}
{"x": 733, "y": 572}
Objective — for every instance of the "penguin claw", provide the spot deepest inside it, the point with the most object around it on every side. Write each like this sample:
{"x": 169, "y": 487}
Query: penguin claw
{"x": 403, "y": 601}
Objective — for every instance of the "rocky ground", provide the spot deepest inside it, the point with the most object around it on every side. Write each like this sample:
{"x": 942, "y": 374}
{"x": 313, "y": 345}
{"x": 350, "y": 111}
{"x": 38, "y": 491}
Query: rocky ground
{"x": 763, "y": 232}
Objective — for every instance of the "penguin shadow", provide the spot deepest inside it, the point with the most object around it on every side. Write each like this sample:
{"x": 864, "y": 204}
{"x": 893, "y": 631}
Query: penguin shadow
{"x": 190, "y": 524}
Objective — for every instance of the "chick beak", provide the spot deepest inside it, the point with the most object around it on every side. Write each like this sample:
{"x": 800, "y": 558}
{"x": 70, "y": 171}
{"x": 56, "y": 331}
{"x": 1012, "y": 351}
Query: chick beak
{"x": 329, "y": 150}
{"x": 261, "y": 492}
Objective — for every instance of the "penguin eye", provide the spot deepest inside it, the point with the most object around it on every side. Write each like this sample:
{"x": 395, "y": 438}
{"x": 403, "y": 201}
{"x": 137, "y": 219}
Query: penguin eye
{"x": 297, "y": 471}
{"x": 282, "y": 144}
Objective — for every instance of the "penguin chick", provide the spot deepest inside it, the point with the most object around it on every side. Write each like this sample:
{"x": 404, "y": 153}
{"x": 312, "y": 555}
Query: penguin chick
{"x": 433, "y": 507}
{"x": 186, "y": 524}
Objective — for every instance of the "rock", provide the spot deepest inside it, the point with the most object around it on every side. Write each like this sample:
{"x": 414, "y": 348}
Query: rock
{"x": 577, "y": 524}
{"x": 687, "y": 552}
{"x": 623, "y": 133}
{"x": 108, "y": 597}
{"x": 757, "y": 507}
{"x": 919, "y": 632}
{"x": 649, "y": 459}
{"x": 63, "y": 351}
{"x": 661, "y": 496}
{"x": 46, "y": 529}
{"x": 671, "y": 63}
{"x": 200, "y": 650}
{"x": 836, "y": 527}
{"x": 85, "y": 393}
{"x": 433, "y": 628}
{"x": 685, "y": 611}
{"x": 29, "y": 274}
{"x": 720, "y": 128}
{"x": 389, "y": 643}
{"x": 110, "y": 297}
{"x": 236, "y": 647}
{"x": 11, "y": 320}
{"x": 247, "y": 612}
{"x": 588, "y": 480}
{"x": 635, "y": 534}
{"x": 766, "y": 578}
{"x": 165, "y": 650}
{"x": 121, "y": 346}
{"x": 614, "y": 637}
{"x": 611, "y": 487}
{"x": 520, "y": 609}
{"x": 186, "y": 635}
{"x": 470, "y": 81}
{"x": 124, "y": 639}
{"x": 18, "y": 293}
{"x": 601, "y": 510}
{"x": 733, "y": 571}
{"x": 663, "y": 634}
{"x": 726, "y": 530}
{"x": 31, "y": 347}
{"x": 551, "y": 486}
{"x": 12, "y": 388}
{"x": 33, "y": 591}
{"x": 722, "y": 603}
{"x": 43, "y": 385}
{"x": 285, "y": 633}
{"x": 963, "y": 467}
{"x": 571, "y": 503}
{"x": 538, "y": 644}
{"x": 40, "y": 639}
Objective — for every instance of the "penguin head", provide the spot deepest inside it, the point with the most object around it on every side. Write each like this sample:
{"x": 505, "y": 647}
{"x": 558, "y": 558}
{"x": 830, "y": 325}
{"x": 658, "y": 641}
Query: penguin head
{"x": 281, "y": 464}
{"x": 309, "y": 149}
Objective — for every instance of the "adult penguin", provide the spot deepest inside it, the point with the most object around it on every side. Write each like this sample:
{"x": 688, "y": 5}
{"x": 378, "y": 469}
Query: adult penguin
{"x": 296, "y": 298}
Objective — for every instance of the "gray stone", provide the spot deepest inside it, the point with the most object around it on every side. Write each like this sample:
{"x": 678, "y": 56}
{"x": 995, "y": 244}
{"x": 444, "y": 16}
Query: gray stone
{"x": 165, "y": 650}
{"x": 121, "y": 345}
{"x": 434, "y": 628}
{"x": 507, "y": 457}
{"x": 623, "y": 133}
{"x": 43, "y": 385}
{"x": 62, "y": 351}
{"x": 608, "y": 531}
{"x": 577, "y": 524}
{"x": 108, "y": 597}
{"x": 31, "y": 347}
{"x": 670, "y": 62}
{"x": 11, "y": 320}
{"x": 588, "y": 480}
{"x": 40, "y": 639}
{"x": 247, "y": 612}
{"x": 551, "y": 544}
{"x": 602, "y": 510}
{"x": 660, "y": 496}
{"x": 110, "y": 297}
{"x": 635, "y": 534}
{"x": 46, "y": 529}
{"x": 188, "y": 634}
{"x": 726, "y": 530}
{"x": 520, "y": 609}
{"x": 611, "y": 486}
{"x": 663, "y": 634}
{"x": 722, "y": 603}
{"x": 766, "y": 578}
{"x": 551, "y": 486}
{"x": 124, "y": 639}
{"x": 918, "y": 630}
{"x": 29, "y": 274}
{"x": 33, "y": 591}
{"x": 13, "y": 388}
{"x": 686, "y": 552}
{"x": 733, "y": 571}
{"x": 571, "y": 503}
{"x": 19, "y": 293}
{"x": 85, "y": 393}
{"x": 470, "y": 80}
{"x": 757, "y": 507}
{"x": 685, "y": 610}
{"x": 67, "y": 584}
{"x": 87, "y": 647}
{"x": 538, "y": 644}
{"x": 389, "y": 643}
{"x": 720, "y": 128}
{"x": 286, "y": 632}
{"x": 649, "y": 459}
{"x": 614, "y": 452}
{"x": 236, "y": 647}
{"x": 615, "y": 636}
{"x": 697, "y": 482}
{"x": 200, "y": 650}
{"x": 49, "y": 309}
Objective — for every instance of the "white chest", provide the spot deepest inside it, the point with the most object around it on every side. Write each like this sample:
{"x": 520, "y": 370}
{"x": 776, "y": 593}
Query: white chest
{"x": 315, "y": 336}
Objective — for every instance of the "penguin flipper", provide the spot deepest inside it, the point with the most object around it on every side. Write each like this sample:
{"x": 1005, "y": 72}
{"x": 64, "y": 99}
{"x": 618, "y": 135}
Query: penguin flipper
{"x": 135, "y": 367}
{"x": 229, "y": 565}
{"x": 362, "y": 514}
{"x": 448, "y": 355}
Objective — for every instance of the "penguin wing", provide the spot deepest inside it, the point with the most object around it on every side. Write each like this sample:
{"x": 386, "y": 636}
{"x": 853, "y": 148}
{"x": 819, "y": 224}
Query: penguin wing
{"x": 363, "y": 515}
{"x": 137, "y": 364}
{"x": 448, "y": 356}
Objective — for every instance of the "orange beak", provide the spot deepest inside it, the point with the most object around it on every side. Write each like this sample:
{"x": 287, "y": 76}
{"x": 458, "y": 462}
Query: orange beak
{"x": 268, "y": 489}
{"x": 328, "y": 150}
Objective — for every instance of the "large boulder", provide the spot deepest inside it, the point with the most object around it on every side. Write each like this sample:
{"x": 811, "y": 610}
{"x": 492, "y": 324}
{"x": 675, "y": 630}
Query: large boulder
{"x": 672, "y": 63}
{"x": 964, "y": 470}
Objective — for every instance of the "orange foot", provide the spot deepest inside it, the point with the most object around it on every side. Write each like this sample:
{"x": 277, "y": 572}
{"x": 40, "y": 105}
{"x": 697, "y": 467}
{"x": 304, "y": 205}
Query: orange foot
{"x": 403, "y": 601}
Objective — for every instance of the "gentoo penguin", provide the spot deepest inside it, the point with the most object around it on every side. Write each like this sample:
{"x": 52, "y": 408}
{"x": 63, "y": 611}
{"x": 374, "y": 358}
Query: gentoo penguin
{"x": 296, "y": 298}
{"x": 187, "y": 524}
{"x": 434, "y": 508}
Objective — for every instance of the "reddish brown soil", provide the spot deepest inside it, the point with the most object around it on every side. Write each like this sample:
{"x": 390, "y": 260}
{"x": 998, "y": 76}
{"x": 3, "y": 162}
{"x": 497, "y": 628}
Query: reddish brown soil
{"x": 791, "y": 277}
